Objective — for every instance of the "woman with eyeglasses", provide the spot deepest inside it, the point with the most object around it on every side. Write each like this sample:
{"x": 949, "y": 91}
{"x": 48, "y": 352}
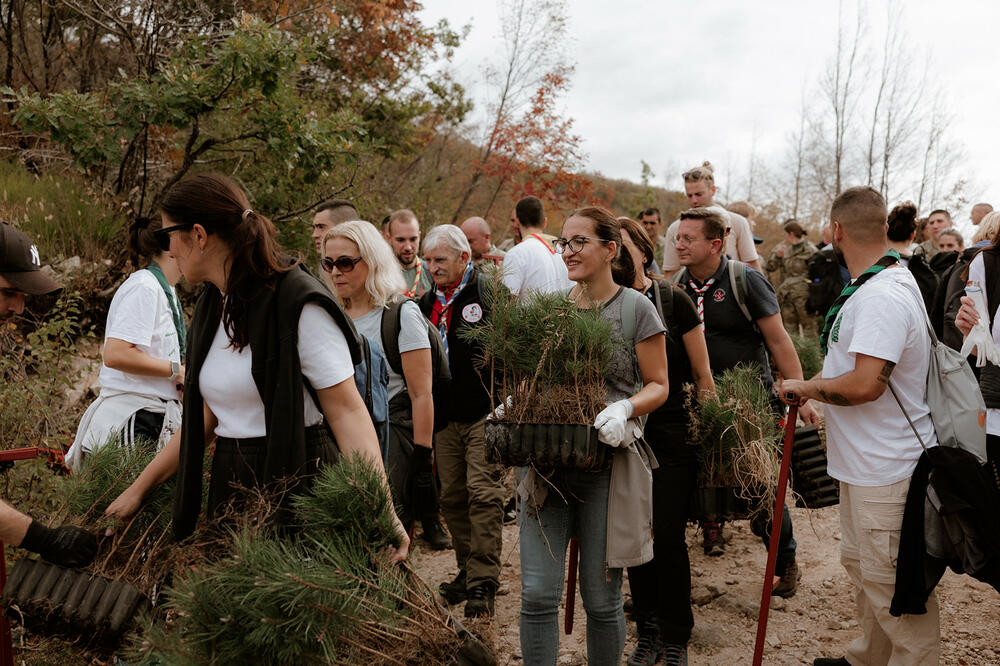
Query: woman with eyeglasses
{"x": 141, "y": 374}
{"x": 368, "y": 281}
{"x": 571, "y": 503}
{"x": 270, "y": 362}
{"x": 661, "y": 588}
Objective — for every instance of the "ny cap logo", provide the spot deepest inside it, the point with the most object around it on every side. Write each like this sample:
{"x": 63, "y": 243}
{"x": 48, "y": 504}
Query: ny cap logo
{"x": 35, "y": 259}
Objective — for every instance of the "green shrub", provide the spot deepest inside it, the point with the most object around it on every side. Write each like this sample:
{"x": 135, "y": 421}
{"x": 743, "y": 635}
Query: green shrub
{"x": 810, "y": 356}
{"x": 61, "y": 215}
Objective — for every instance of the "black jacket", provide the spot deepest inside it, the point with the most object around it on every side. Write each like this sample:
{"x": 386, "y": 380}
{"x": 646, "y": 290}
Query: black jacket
{"x": 273, "y": 326}
{"x": 469, "y": 398}
{"x": 963, "y": 532}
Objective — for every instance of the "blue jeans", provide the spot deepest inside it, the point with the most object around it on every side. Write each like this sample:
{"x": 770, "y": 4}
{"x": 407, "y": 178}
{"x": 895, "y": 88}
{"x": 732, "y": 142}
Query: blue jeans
{"x": 576, "y": 507}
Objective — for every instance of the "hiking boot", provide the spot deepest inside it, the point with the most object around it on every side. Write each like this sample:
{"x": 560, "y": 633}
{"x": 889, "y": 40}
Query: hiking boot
{"x": 648, "y": 650}
{"x": 674, "y": 654}
{"x": 455, "y": 592}
{"x": 713, "y": 543}
{"x": 828, "y": 661}
{"x": 434, "y": 534}
{"x": 789, "y": 583}
{"x": 481, "y": 600}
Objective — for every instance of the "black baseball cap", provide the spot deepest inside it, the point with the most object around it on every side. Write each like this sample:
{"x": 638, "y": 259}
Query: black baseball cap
{"x": 21, "y": 265}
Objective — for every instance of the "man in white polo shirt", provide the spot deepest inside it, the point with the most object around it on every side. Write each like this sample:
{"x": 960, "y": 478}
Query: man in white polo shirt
{"x": 532, "y": 264}
{"x": 699, "y": 187}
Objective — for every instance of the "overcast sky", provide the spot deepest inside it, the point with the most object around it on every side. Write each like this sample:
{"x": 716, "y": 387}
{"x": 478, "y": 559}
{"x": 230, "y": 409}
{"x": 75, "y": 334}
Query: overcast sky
{"x": 676, "y": 83}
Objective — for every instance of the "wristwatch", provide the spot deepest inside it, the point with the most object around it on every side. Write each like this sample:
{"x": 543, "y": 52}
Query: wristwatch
{"x": 175, "y": 369}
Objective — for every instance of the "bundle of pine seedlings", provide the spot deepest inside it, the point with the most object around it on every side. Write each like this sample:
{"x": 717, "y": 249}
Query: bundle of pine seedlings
{"x": 547, "y": 355}
{"x": 738, "y": 436}
{"x": 322, "y": 592}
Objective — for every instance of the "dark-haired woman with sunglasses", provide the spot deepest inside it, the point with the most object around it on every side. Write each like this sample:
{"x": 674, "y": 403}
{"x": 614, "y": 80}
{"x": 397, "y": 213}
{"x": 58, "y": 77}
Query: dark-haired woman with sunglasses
{"x": 270, "y": 363}
{"x": 141, "y": 375}
{"x": 368, "y": 281}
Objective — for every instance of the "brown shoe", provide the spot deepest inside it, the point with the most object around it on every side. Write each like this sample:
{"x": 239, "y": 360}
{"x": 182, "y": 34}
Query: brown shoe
{"x": 789, "y": 583}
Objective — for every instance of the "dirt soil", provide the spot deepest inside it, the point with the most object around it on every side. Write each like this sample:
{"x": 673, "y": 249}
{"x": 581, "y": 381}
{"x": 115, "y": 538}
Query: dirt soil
{"x": 819, "y": 621}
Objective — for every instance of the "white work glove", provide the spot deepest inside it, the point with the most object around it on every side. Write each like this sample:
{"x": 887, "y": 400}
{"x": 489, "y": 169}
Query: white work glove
{"x": 611, "y": 423}
{"x": 501, "y": 409}
{"x": 979, "y": 337}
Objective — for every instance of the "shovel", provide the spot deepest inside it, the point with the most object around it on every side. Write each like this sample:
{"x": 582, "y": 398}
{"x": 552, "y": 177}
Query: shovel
{"x": 772, "y": 549}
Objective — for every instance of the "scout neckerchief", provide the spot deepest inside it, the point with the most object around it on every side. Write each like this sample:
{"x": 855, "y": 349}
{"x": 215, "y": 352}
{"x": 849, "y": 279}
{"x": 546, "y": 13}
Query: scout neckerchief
{"x": 700, "y": 293}
{"x": 446, "y": 302}
{"x": 175, "y": 307}
{"x": 891, "y": 257}
{"x": 542, "y": 241}
{"x": 412, "y": 291}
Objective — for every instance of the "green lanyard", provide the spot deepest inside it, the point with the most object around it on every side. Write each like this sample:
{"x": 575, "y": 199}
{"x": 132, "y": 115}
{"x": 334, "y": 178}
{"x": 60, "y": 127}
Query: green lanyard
{"x": 175, "y": 306}
{"x": 891, "y": 257}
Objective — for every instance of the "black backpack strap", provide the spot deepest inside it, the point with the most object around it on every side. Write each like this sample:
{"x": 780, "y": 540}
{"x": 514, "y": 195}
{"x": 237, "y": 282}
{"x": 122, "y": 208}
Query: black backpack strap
{"x": 991, "y": 268}
{"x": 391, "y": 323}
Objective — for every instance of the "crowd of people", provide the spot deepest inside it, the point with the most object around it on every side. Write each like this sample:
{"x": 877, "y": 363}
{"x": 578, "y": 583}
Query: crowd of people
{"x": 267, "y": 371}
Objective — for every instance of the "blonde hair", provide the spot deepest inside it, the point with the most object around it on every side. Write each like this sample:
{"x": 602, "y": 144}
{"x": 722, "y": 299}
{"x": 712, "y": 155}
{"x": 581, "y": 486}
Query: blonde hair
{"x": 987, "y": 229}
{"x": 704, "y": 172}
{"x": 744, "y": 208}
{"x": 385, "y": 283}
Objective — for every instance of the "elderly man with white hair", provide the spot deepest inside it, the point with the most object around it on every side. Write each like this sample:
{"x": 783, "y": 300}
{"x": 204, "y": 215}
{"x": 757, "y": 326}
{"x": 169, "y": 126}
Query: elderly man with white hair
{"x": 484, "y": 252}
{"x": 472, "y": 490}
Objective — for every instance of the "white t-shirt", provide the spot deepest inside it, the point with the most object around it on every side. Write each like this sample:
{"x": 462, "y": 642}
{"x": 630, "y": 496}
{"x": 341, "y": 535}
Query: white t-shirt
{"x": 227, "y": 383}
{"x": 977, "y": 272}
{"x": 739, "y": 242}
{"x": 872, "y": 444}
{"x": 412, "y": 336}
{"x": 532, "y": 265}
{"x": 140, "y": 314}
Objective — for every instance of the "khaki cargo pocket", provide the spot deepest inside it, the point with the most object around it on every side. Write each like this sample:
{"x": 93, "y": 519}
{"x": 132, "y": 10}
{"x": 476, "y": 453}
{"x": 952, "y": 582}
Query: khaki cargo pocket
{"x": 880, "y": 524}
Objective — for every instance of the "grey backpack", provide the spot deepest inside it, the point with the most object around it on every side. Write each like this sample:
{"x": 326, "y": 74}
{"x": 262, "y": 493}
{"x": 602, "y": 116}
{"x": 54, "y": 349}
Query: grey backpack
{"x": 953, "y": 396}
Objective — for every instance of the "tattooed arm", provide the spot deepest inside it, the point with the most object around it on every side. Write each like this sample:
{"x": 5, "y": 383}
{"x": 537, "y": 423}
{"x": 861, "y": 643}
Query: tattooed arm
{"x": 865, "y": 383}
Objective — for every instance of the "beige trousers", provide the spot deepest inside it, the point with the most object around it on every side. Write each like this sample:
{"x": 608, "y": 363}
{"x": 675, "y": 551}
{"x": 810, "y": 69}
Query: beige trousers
{"x": 870, "y": 523}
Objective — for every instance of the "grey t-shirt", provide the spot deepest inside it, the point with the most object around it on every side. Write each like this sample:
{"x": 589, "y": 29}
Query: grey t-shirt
{"x": 412, "y": 335}
{"x": 619, "y": 375}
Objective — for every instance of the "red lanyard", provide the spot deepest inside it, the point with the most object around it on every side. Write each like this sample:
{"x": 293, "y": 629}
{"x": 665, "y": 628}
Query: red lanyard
{"x": 412, "y": 291}
{"x": 542, "y": 241}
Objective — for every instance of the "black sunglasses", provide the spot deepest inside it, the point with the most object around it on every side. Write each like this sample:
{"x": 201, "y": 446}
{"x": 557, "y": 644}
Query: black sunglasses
{"x": 342, "y": 264}
{"x": 162, "y": 236}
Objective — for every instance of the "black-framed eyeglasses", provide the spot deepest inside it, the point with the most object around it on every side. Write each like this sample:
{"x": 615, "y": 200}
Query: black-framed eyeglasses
{"x": 343, "y": 264}
{"x": 575, "y": 244}
{"x": 162, "y": 236}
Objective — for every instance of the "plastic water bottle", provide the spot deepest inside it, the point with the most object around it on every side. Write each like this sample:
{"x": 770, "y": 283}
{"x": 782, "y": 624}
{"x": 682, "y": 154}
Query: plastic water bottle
{"x": 974, "y": 291}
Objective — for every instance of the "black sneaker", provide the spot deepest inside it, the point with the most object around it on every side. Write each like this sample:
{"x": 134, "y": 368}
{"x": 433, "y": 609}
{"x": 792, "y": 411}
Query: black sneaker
{"x": 713, "y": 543}
{"x": 455, "y": 592}
{"x": 480, "y": 601}
{"x": 789, "y": 583}
{"x": 434, "y": 534}
{"x": 675, "y": 654}
{"x": 829, "y": 661}
{"x": 649, "y": 649}
{"x": 510, "y": 512}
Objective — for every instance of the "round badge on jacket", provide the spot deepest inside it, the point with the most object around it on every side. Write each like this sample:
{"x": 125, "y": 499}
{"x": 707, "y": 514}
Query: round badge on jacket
{"x": 472, "y": 312}
{"x": 719, "y": 295}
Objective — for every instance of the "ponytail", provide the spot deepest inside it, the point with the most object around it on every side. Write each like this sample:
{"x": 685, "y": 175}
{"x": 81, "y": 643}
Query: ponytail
{"x": 255, "y": 258}
{"x": 142, "y": 244}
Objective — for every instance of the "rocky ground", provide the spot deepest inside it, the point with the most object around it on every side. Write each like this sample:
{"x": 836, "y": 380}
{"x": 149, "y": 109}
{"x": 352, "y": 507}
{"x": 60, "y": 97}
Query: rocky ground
{"x": 818, "y": 621}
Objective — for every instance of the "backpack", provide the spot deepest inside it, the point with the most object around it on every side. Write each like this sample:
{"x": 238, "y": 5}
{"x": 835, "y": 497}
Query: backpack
{"x": 825, "y": 282}
{"x": 955, "y": 401}
{"x": 440, "y": 372}
{"x": 737, "y": 285}
{"x": 372, "y": 379}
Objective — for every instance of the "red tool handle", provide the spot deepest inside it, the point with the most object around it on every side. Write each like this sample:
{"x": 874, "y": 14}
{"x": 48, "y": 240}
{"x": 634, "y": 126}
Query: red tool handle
{"x": 574, "y": 557}
{"x": 772, "y": 549}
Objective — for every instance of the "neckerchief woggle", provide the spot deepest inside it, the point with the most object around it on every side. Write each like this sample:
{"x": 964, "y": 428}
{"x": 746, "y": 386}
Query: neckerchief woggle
{"x": 175, "y": 306}
{"x": 891, "y": 257}
{"x": 443, "y": 320}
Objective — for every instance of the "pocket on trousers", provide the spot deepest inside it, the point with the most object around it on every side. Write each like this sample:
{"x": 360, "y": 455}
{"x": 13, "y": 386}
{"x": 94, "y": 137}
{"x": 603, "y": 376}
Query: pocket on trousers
{"x": 881, "y": 523}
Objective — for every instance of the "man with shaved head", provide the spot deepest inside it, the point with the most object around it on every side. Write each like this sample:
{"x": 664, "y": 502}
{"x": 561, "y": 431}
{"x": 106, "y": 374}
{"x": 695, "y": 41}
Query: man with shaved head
{"x": 330, "y": 214}
{"x": 875, "y": 331}
{"x": 979, "y": 211}
{"x": 484, "y": 252}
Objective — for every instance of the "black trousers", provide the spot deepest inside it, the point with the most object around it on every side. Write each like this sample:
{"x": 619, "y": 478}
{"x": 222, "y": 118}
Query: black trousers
{"x": 661, "y": 588}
